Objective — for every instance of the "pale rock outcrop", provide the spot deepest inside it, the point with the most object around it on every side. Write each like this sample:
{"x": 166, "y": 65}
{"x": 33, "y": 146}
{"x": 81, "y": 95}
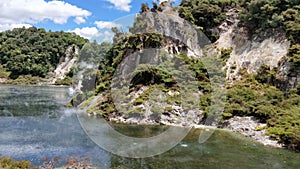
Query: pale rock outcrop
{"x": 250, "y": 53}
{"x": 66, "y": 63}
{"x": 176, "y": 28}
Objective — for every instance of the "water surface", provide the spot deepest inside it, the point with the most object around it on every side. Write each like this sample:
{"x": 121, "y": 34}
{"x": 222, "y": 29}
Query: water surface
{"x": 34, "y": 124}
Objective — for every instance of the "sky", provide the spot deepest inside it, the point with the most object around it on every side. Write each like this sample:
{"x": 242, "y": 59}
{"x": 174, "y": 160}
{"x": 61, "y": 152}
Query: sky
{"x": 91, "y": 19}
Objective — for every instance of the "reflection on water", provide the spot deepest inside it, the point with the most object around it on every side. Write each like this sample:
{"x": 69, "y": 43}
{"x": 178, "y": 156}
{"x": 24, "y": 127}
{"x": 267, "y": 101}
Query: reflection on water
{"x": 34, "y": 124}
{"x": 31, "y": 101}
{"x": 224, "y": 150}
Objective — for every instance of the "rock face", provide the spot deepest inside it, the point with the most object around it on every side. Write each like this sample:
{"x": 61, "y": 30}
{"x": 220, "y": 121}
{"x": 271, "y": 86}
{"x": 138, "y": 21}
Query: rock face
{"x": 65, "y": 64}
{"x": 250, "y": 53}
{"x": 171, "y": 25}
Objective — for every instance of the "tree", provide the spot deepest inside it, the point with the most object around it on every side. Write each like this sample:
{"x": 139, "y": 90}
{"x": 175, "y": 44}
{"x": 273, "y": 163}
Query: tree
{"x": 144, "y": 8}
{"x": 32, "y": 51}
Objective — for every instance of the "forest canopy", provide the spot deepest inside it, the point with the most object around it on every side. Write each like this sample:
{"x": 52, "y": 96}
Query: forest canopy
{"x": 34, "y": 51}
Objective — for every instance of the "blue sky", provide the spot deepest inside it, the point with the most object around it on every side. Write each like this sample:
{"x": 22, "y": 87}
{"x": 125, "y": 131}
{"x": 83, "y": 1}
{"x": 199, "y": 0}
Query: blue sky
{"x": 91, "y": 19}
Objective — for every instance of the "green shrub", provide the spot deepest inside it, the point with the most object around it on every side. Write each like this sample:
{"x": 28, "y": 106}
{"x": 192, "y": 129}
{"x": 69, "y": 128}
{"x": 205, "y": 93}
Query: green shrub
{"x": 286, "y": 128}
{"x": 294, "y": 53}
{"x": 206, "y": 14}
{"x": 266, "y": 75}
{"x": 227, "y": 115}
{"x": 8, "y": 163}
{"x": 281, "y": 111}
{"x": 265, "y": 112}
{"x": 168, "y": 109}
{"x": 24, "y": 79}
{"x": 3, "y": 72}
{"x": 66, "y": 81}
{"x": 225, "y": 55}
{"x": 138, "y": 101}
{"x": 259, "y": 128}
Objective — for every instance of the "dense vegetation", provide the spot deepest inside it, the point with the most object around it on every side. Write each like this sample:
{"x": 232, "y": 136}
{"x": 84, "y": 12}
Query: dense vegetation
{"x": 278, "y": 109}
{"x": 108, "y": 62}
{"x": 254, "y": 95}
{"x": 262, "y": 16}
{"x": 33, "y": 51}
{"x": 207, "y": 14}
{"x": 257, "y": 15}
{"x": 8, "y": 163}
{"x": 70, "y": 162}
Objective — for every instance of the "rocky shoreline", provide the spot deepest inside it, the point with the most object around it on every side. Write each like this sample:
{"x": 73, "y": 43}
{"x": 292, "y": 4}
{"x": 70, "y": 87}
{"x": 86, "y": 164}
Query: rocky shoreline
{"x": 246, "y": 126}
{"x": 174, "y": 115}
{"x": 251, "y": 127}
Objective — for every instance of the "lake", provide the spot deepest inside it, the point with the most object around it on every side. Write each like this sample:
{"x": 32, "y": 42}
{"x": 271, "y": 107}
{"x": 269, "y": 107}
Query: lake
{"x": 34, "y": 124}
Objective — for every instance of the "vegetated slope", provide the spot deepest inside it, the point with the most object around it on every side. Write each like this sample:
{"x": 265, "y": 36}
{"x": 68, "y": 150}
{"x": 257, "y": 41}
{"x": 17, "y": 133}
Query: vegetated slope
{"x": 263, "y": 86}
{"x": 275, "y": 21}
{"x": 261, "y": 91}
{"x": 34, "y": 51}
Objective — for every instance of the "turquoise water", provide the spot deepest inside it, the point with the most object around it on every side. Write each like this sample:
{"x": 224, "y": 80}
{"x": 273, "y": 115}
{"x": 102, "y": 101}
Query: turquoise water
{"x": 34, "y": 124}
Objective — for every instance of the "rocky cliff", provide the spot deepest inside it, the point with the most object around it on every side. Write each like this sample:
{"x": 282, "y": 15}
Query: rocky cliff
{"x": 65, "y": 64}
{"x": 152, "y": 96}
{"x": 252, "y": 52}
{"x": 248, "y": 51}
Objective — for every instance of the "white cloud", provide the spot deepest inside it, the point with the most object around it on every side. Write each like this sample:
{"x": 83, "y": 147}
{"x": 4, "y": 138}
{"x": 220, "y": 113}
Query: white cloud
{"x": 161, "y": 1}
{"x": 107, "y": 36}
{"x": 34, "y": 11}
{"x": 4, "y": 27}
{"x": 87, "y": 32}
{"x": 122, "y": 5}
{"x": 107, "y": 25}
{"x": 170, "y": 1}
{"x": 94, "y": 33}
{"x": 79, "y": 20}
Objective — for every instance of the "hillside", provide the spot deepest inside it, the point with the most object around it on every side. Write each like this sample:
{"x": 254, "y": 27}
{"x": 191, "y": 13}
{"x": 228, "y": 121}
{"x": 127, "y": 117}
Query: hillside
{"x": 27, "y": 55}
{"x": 218, "y": 63}
{"x": 256, "y": 23}
{"x": 256, "y": 44}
